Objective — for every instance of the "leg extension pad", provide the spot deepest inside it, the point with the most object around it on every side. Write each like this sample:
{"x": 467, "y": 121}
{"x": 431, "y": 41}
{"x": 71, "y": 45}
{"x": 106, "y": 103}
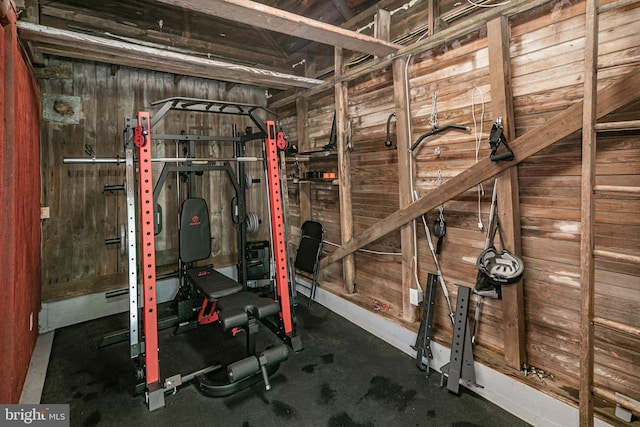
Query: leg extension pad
{"x": 253, "y": 364}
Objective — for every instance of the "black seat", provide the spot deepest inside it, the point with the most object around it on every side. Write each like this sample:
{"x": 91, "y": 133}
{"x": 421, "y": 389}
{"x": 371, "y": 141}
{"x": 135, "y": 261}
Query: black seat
{"x": 195, "y": 245}
{"x": 226, "y": 302}
{"x": 309, "y": 252}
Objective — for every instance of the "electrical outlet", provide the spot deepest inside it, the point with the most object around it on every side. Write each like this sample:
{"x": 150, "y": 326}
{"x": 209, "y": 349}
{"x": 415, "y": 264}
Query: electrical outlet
{"x": 45, "y": 212}
{"x": 415, "y": 296}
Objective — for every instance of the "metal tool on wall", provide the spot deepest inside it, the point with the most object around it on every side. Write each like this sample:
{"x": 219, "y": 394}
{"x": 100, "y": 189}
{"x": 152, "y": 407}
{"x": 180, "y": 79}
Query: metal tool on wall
{"x": 495, "y": 267}
{"x": 497, "y": 140}
{"x": 491, "y": 293}
{"x": 388, "y": 142}
{"x": 434, "y": 122}
{"x": 461, "y": 365}
{"x": 423, "y": 339}
{"x": 440, "y": 226}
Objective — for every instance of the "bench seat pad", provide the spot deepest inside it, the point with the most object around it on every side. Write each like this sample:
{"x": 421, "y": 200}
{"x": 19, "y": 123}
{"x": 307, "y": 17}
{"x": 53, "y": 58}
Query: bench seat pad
{"x": 235, "y": 309}
{"x": 212, "y": 283}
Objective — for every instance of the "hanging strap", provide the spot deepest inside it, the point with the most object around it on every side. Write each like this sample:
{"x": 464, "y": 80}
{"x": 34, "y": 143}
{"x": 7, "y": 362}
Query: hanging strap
{"x": 495, "y": 228}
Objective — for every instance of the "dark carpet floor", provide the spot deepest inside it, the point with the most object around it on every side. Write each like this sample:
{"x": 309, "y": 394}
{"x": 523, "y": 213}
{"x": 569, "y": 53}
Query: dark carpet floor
{"x": 343, "y": 377}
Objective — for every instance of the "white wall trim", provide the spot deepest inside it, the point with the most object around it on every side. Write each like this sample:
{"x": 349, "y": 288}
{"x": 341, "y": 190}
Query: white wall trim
{"x": 70, "y": 311}
{"x": 37, "y": 373}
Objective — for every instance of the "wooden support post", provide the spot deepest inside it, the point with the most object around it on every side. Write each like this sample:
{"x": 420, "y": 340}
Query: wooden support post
{"x": 344, "y": 174}
{"x": 304, "y": 194}
{"x": 302, "y": 109}
{"x": 587, "y": 212}
{"x": 382, "y": 27}
{"x": 31, "y": 14}
{"x": 302, "y": 112}
{"x": 304, "y": 187}
{"x": 433, "y": 7}
{"x": 403, "y": 135}
{"x": 508, "y": 191}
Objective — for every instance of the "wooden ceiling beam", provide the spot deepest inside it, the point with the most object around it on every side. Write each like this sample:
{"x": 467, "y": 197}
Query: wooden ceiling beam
{"x": 304, "y": 46}
{"x": 76, "y": 45}
{"x": 563, "y": 124}
{"x": 270, "y": 18}
{"x": 274, "y": 59}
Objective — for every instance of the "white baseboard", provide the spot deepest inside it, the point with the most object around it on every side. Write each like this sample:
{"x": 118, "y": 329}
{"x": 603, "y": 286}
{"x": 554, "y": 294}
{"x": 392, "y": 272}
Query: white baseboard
{"x": 70, "y": 311}
{"x": 37, "y": 373}
{"x": 515, "y": 397}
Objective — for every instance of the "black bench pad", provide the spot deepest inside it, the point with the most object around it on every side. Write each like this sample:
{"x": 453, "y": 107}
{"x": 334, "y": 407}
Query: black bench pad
{"x": 211, "y": 283}
{"x": 236, "y": 309}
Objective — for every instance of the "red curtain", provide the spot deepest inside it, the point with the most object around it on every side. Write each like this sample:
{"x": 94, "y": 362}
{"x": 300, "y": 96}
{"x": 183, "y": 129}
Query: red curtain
{"x": 19, "y": 211}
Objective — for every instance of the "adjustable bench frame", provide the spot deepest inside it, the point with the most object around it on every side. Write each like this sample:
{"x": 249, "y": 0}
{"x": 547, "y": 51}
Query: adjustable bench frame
{"x": 145, "y": 350}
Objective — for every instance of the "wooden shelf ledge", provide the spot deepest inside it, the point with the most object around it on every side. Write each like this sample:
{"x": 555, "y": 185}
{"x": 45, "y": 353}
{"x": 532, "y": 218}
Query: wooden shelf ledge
{"x": 617, "y": 126}
{"x": 627, "y": 189}
{"x": 617, "y": 256}
{"x": 611, "y": 324}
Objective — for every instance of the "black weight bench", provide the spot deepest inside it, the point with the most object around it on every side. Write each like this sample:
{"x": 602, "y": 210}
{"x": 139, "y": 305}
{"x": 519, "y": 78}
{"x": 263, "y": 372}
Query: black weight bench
{"x": 225, "y": 301}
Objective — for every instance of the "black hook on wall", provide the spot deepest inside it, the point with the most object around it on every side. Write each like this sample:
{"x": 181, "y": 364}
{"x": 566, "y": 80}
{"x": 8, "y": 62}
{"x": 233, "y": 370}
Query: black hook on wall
{"x": 388, "y": 141}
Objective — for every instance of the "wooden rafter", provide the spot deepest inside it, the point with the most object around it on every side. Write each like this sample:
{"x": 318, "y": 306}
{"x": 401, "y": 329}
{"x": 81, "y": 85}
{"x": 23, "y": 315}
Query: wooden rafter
{"x": 270, "y": 18}
{"x": 303, "y": 46}
{"x": 343, "y": 8}
{"x": 561, "y": 125}
{"x": 274, "y": 59}
{"x": 76, "y": 45}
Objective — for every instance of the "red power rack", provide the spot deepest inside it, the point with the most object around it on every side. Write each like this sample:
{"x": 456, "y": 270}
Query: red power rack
{"x": 142, "y": 140}
{"x": 277, "y": 226}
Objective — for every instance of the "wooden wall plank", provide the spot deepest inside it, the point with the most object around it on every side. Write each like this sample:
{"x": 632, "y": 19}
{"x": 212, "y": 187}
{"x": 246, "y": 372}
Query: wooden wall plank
{"x": 549, "y": 184}
{"x": 82, "y": 216}
{"x": 562, "y": 125}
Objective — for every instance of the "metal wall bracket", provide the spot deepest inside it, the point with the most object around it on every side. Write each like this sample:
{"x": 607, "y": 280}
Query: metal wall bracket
{"x": 460, "y": 365}
{"x": 423, "y": 340}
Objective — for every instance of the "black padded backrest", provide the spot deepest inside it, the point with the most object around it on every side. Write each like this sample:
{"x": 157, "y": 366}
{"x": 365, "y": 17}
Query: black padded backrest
{"x": 195, "y": 230}
{"x": 310, "y": 247}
